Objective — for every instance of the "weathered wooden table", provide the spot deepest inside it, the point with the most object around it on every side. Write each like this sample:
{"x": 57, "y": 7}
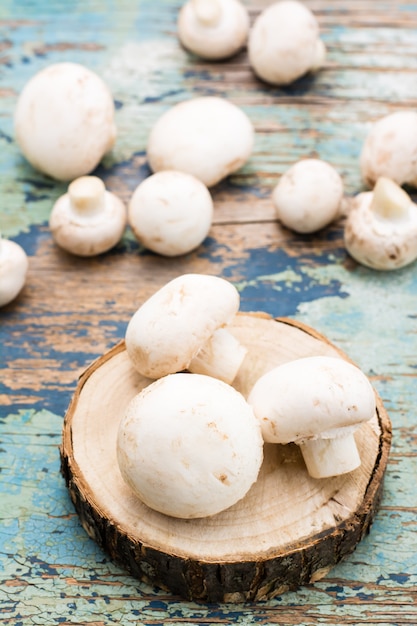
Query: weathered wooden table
{"x": 72, "y": 309}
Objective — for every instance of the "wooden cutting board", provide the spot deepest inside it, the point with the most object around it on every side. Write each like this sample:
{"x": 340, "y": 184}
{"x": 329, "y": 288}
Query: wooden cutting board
{"x": 289, "y": 530}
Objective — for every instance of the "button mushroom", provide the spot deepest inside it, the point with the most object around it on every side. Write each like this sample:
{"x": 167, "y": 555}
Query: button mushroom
{"x": 13, "y": 270}
{"x": 390, "y": 149}
{"x": 88, "y": 220}
{"x": 213, "y": 29}
{"x": 308, "y": 196}
{"x": 316, "y": 402}
{"x": 381, "y": 228}
{"x": 171, "y": 212}
{"x": 207, "y": 137}
{"x": 64, "y": 121}
{"x": 189, "y": 446}
{"x": 184, "y": 326}
{"x": 284, "y": 43}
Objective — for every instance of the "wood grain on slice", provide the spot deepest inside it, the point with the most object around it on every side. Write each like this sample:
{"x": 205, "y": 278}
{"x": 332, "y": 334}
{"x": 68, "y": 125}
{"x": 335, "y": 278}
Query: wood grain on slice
{"x": 289, "y": 530}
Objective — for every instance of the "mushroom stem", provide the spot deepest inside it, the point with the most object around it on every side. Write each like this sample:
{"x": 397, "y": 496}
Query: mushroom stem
{"x": 389, "y": 200}
{"x": 220, "y": 357}
{"x": 331, "y": 457}
{"x": 319, "y": 56}
{"x": 87, "y": 195}
{"x": 208, "y": 12}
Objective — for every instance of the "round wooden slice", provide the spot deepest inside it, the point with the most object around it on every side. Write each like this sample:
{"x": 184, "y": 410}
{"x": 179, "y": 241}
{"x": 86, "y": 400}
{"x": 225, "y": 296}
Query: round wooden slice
{"x": 289, "y": 530}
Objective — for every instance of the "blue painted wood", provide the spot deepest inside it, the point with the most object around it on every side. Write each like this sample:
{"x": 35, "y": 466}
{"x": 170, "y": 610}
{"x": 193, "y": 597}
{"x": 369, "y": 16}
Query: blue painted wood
{"x": 72, "y": 310}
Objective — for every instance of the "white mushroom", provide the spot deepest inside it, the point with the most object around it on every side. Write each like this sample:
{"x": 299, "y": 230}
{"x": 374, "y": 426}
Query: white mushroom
{"x": 390, "y": 149}
{"x": 189, "y": 446}
{"x": 207, "y": 137}
{"x": 381, "y": 228}
{"x": 184, "y": 326}
{"x": 88, "y": 220}
{"x": 284, "y": 43}
{"x": 14, "y": 265}
{"x": 213, "y": 29}
{"x": 64, "y": 121}
{"x": 308, "y": 196}
{"x": 316, "y": 402}
{"x": 171, "y": 212}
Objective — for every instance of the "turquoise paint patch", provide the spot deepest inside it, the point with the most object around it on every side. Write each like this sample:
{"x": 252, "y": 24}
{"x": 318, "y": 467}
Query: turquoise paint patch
{"x": 282, "y": 292}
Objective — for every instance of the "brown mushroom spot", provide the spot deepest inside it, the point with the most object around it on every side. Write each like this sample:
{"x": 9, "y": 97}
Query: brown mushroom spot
{"x": 223, "y": 478}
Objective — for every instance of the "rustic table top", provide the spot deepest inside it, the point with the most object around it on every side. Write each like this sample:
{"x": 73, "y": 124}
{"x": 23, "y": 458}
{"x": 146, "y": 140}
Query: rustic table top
{"x": 72, "y": 310}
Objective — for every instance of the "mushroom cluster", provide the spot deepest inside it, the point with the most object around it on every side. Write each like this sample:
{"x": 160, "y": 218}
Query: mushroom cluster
{"x": 210, "y": 435}
{"x": 64, "y": 124}
{"x": 283, "y": 43}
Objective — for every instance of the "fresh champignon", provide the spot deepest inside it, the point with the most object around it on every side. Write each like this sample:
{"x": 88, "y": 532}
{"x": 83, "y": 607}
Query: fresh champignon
{"x": 14, "y": 265}
{"x": 171, "y": 212}
{"x": 213, "y": 29}
{"x": 189, "y": 446}
{"x": 316, "y": 402}
{"x": 184, "y": 326}
{"x": 64, "y": 121}
{"x": 284, "y": 43}
{"x": 308, "y": 196}
{"x": 390, "y": 149}
{"x": 87, "y": 220}
{"x": 381, "y": 228}
{"x": 207, "y": 137}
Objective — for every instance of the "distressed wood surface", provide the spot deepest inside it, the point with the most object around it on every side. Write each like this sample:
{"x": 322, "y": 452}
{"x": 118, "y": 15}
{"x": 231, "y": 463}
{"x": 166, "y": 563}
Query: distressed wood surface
{"x": 72, "y": 310}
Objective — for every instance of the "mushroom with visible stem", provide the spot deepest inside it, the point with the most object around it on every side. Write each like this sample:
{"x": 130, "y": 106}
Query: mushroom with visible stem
{"x": 381, "y": 228}
{"x": 308, "y": 196}
{"x": 184, "y": 326}
{"x": 171, "y": 212}
{"x": 87, "y": 220}
{"x": 316, "y": 402}
{"x": 64, "y": 121}
{"x": 213, "y": 29}
{"x": 390, "y": 149}
{"x": 284, "y": 43}
{"x": 189, "y": 446}
{"x": 14, "y": 266}
{"x": 208, "y": 137}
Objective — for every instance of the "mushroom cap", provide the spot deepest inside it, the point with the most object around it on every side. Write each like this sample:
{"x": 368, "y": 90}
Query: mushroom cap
{"x": 311, "y": 397}
{"x": 189, "y": 446}
{"x": 377, "y": 242}
{"x": 168, "y": 330}
{"x": 390, "y": 149}
{"x": 208, "y": 137}
{"x": 283, "y": 44}
{"x": 93, "y": 231}
{"x": 14, "y": 265}
{"x": 308, "y": 196}
{"x": 64, "y": 121}
{"x": 217, "y": 38}
{"x": 171, "y": 212}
